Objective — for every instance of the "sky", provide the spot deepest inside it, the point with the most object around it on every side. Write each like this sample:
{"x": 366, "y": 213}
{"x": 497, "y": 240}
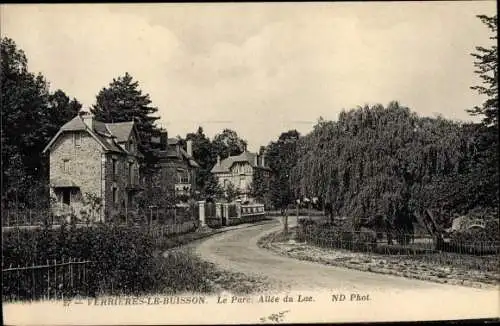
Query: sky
{"x": 259, "y": 69}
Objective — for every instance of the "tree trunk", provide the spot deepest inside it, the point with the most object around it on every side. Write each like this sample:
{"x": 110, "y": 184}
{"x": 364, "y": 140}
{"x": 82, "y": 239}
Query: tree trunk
{"x": 285, "y": 220}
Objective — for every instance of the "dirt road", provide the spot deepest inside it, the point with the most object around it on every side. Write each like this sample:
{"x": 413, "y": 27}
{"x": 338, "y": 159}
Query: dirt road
{"x": 238, "y": 251}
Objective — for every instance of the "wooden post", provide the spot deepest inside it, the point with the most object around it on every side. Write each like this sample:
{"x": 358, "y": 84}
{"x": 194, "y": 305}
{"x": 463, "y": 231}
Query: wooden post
{"x": 202, "y": 213}
{"x": 33, "y": 289}
{"x": 18, "y": 279}
{"x": 84, "y": 277}
{"x": 55, "y": 278}
{"x": 48, "y": 280}
{"x": 71, "y": 274}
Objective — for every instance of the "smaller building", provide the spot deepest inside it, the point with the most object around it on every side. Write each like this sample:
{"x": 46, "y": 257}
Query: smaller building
{"x": 176, "y": 173}
{"x": 240, "y": 171}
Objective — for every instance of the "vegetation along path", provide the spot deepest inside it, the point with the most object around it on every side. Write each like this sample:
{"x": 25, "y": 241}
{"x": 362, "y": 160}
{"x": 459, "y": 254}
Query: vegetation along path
{"x": 238, "y": 251}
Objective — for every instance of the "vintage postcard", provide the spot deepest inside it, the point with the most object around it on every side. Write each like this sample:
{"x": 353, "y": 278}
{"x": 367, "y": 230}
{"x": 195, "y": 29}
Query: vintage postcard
{"x": 249, "y": 163}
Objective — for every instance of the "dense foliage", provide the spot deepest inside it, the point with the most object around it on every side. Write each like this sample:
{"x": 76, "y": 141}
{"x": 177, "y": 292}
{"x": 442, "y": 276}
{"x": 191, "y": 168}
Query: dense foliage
{"x": 388, "y": 162}
{"x": 124, "y": 258}
{"x": 281, "y": 158}
{"x": 123, "y": 101}
{"x": 205, "y": 156}
{"x": 205, "y": 152}
{"x": 31, "y": 116}
{"x": 486, "y": 64}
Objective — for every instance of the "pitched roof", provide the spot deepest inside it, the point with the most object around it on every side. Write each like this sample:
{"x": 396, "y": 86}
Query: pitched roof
{"x": 121, "y": 130}
{"x": 226, "y": 164}
{"x": 102, "y": 132}
{"x": 171, "y": 152}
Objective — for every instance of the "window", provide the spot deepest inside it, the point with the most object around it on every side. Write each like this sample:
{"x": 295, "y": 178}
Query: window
{"x": 66, "y": 166}
{"x": 242, "y": 182}
{"x": 115, "y": 195}
{"x": 131, "y": 173}
{"x": 183, "y": 176}
{"x": 77, "y": 139}
{"x": 115, "y": 168}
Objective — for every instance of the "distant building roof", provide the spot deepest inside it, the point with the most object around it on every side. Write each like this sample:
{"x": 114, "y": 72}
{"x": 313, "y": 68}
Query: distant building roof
{"x": 225, "y": 165}
{"x": 121, "y": 130}
{"x": 172, "y": 152}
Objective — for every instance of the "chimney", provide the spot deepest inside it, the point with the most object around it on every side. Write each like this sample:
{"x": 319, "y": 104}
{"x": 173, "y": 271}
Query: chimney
{"x": 163, "y": 139}
{"x": 189, "y": 147}
{"x": 263, "y": 162}
{"x": 256, "y": 159}
{"x": 87, "y": 117}
{"x": 218, "y": 159}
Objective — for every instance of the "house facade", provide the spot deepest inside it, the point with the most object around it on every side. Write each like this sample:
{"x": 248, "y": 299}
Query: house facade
{"x": 176, "y": 173}
{"x": 240, "y": 171}
{"x": 89, "y": 158}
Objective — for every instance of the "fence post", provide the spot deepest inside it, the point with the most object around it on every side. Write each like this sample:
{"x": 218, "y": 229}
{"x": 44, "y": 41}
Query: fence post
{"x": 71, "y": 274}
{"x": 225, "y": 212}
{"x": 238, "y": 207}
{"x": 33, "y": 290}
{"x": 48, "y": 280}
{"x": 218, "y": 211}
{"x": 202, "y": 213}
{"x": 18, "y": 280}
{"x": 55, "y": 278}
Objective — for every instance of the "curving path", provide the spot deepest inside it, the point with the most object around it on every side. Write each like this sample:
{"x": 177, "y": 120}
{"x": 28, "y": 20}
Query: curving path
{"x": 237, "y": 250}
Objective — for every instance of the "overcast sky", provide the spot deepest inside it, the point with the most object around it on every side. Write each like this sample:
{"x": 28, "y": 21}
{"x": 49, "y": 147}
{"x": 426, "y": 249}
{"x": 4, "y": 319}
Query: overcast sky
{"x": 259, "y": 69}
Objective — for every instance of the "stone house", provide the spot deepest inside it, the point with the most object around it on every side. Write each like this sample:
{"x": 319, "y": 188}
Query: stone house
{"x": 92, "y": 157}
{"x": 240, "y": 171}
{"x": 176, "y": 174}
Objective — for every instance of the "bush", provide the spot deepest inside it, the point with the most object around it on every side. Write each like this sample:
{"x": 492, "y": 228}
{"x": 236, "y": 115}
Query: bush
{"x": 125, "y": 257}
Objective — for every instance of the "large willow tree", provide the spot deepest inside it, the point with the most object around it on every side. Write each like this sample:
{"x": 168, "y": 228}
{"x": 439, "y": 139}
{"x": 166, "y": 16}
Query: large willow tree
{"x": 378, "y": 161}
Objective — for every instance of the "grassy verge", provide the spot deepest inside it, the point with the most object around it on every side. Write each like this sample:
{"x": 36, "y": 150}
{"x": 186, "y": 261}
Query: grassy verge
{"x": 180, "y": 270}
{"x": 467, "y": 270}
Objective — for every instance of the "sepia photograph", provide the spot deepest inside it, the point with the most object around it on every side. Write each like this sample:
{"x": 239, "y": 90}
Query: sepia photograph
{"x": 249, "y": 163}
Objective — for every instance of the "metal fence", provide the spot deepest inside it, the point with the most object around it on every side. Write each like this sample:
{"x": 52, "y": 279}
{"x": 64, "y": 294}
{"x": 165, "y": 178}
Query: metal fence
{"x": 52, "y": 280}
{"x": 160, "y": 232}
{"x": 253, "y": 209}
{"x": 150, "y": 215}
{"x": 232, "y": 210}
{"x": 31, "y": 217}
{"x": 484, "y": 255}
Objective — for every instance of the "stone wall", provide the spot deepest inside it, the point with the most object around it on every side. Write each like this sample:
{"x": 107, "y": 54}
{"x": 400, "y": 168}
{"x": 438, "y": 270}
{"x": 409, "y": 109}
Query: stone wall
{"x": 92, "y": 171}
{"x": 83, "y": 166}
{"x": 119, "y": 181}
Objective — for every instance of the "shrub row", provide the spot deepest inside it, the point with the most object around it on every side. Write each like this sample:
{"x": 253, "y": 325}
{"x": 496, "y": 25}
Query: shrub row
{"x": 482, "y": 241}
{"x": 125, "y": 259}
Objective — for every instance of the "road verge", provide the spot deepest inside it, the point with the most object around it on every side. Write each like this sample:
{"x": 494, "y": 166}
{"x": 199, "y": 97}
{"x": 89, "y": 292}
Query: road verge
{"x": 284, "y": 245}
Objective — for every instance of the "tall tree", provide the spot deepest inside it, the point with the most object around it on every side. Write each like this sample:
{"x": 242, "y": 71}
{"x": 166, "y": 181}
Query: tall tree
{"x": 379, "y": 161}
{"x": 31, "y": 116}
{"x": 281, "y": 158}
{"x": 204, "y": 154}
{"x": 123, "y": 101}
{"x": 228, "y": 143}
{"x": 486, "y": 64}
